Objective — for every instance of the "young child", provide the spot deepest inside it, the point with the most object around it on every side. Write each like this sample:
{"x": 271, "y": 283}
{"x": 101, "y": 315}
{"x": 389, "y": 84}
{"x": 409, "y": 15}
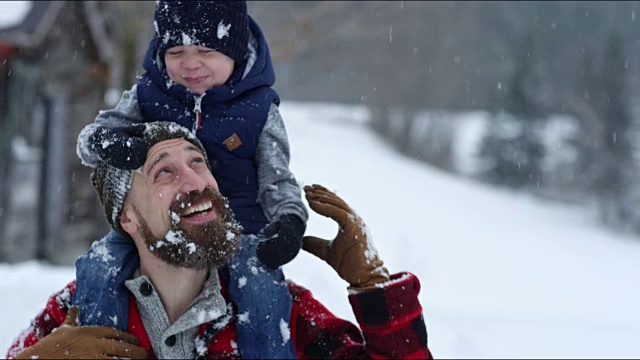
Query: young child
{"x": 208, "y": 68}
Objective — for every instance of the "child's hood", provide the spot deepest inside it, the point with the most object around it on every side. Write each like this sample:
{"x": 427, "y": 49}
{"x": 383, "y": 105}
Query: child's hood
{"x": 256, "y": 72}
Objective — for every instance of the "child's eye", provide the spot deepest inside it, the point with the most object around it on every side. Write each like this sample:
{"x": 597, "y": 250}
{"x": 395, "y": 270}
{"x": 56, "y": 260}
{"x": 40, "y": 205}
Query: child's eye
{"x": 207, "y": 51}
{"x": 174, "y": 52}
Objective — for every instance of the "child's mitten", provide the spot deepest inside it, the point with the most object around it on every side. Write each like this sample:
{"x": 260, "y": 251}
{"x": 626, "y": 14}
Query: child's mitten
{"x": 121, "y": 147}
{"x": 282, "y": 241}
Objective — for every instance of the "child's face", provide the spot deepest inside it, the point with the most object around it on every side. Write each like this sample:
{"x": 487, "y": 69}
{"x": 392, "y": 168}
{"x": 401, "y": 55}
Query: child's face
{"x": 198, "y": 68}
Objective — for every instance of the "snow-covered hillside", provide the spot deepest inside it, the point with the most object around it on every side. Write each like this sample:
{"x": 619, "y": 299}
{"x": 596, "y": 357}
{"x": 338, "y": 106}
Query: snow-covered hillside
{"x": 503, "y": 275}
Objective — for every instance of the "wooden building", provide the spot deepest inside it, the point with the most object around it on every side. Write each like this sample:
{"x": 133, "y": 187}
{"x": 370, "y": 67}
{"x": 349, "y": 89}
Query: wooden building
{"x": 57, "y": 62}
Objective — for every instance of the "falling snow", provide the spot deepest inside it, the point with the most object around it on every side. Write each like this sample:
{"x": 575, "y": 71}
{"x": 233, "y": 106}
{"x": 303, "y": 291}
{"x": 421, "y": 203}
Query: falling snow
{"x": 223, "y": 30}
{"x": 477, "y": 251}
{"x": 175, "y": 237}
{"x": 242, "y": 282}
{"x": 244, "y": 317}
{"x": 186, "y": 40}
{"x": 285, "y": 331}
{"x": 175, "y": 218}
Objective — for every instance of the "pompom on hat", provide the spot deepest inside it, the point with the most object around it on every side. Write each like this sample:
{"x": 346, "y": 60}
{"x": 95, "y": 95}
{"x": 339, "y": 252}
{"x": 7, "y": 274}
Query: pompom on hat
{"x": 220, "y": 25}
{"x": 112, "y": 184}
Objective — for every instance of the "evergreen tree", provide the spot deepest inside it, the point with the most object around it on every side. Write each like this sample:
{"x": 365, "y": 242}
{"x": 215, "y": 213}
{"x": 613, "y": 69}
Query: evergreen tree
{"x": 512, "y": 151}
{"x": 616, "y": 169}
{"x": 510, "y": 156}
{"x": 586, "y": 106}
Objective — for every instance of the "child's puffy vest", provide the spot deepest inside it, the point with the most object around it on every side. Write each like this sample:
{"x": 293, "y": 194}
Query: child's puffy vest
{"x": 232, "y": 118}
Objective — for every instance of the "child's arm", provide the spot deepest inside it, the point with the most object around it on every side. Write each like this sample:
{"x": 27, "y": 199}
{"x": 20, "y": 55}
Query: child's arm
{"x": 278, "y": 190}
{"x": 125, "y": 113}
{"x": 279, "y": 195}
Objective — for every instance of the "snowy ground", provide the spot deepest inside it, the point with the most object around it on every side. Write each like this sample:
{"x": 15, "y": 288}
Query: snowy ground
{"x": 503, "y": 275}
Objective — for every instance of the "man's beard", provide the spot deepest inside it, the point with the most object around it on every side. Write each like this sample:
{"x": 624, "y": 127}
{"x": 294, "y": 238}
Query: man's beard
{"x": 197, "y": 246}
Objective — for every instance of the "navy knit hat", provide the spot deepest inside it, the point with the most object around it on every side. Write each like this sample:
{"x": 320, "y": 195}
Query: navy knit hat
{"x": 220, "y": 25}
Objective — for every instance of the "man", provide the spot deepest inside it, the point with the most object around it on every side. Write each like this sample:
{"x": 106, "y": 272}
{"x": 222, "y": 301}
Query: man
{"x": 183, "y": 230}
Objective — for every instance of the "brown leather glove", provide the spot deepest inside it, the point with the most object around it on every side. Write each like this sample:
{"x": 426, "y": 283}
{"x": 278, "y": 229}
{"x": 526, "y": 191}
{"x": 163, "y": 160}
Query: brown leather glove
{"x": 71, "y": 341}
{"x": 351, "y": 253}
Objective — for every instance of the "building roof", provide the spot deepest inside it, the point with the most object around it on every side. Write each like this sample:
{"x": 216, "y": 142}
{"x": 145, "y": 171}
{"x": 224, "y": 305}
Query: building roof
{"x": 34, "y": 25}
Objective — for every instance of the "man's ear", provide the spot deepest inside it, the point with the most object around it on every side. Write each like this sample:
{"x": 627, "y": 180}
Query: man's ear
{"x": 129, "y": 220}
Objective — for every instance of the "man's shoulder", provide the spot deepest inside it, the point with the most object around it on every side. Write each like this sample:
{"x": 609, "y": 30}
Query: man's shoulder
{"x": 63, "y": 297}
{"x": 59, "y": 303}
{"x": 297, "y": 291}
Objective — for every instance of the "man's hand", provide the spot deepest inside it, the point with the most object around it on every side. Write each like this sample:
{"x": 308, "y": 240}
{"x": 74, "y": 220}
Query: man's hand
{"x": 122, "y": 147}
{"x": 71, "y": 341}
{"x": 351, "y": 253}
{"x": 282, "y": 241}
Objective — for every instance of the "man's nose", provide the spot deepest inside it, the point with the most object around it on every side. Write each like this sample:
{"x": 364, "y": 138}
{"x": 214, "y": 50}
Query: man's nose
{"x": 191, "y": 181}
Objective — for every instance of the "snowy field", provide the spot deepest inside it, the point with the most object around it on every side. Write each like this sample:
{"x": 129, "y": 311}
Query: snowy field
{"x": 503, "y": 275}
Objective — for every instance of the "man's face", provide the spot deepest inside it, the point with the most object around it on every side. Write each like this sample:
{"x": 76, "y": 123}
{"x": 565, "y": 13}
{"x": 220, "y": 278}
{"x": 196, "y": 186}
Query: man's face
{"x": 176, "y": 206}
{"x": 197, "y": 68}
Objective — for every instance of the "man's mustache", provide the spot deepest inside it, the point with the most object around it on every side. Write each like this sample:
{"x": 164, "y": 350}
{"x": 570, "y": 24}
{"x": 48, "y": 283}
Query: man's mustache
{"x": 184, "y": 200}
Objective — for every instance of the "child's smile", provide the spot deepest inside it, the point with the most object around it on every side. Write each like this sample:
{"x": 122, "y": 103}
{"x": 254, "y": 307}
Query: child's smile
{"x": 198, "y": 68}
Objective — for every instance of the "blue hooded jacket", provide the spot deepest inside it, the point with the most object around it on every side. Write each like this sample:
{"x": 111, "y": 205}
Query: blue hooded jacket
{"x": 234, "y": 111}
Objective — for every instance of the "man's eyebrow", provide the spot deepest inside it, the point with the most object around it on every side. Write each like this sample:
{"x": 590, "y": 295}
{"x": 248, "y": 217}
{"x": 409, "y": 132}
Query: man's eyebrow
{"x": 155, "y": 160}
{"x": 192, "y": 147}
{"x": 163, "y": 155}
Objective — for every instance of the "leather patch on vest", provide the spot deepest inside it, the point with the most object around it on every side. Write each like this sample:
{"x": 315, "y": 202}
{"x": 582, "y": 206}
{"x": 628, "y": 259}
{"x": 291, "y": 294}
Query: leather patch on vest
{"x": 232, "y": 142}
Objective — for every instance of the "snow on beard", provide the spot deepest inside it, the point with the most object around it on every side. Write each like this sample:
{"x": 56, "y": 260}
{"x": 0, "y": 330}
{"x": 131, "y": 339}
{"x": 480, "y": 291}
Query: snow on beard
{"x": 198, "y": 246}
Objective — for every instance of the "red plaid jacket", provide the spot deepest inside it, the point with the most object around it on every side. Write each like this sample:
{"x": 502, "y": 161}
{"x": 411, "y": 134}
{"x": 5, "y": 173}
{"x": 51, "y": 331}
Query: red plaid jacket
{"x": 390, "y": 319}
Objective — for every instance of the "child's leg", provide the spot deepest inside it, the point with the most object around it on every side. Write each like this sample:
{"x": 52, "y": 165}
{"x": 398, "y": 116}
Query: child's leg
{"x": 100, "y": 275}
{"x": 263, "y": 303}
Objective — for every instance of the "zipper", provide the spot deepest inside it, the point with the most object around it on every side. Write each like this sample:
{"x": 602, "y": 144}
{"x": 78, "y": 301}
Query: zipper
{"x": 197, "y": 109}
